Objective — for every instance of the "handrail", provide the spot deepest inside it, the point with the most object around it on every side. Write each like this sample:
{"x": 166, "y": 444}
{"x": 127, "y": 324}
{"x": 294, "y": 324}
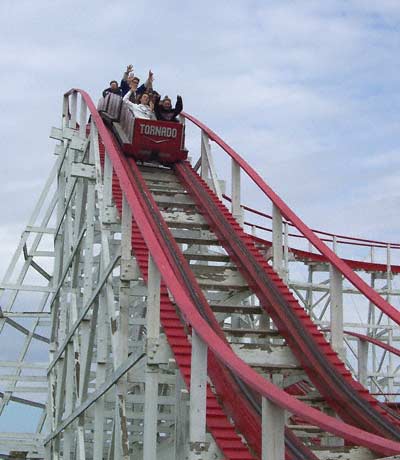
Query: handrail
{"x": 374, "y": 243}
{"x": 287, "y": 213}
{"x": 221, "y": 350}
{"x": 328, "y": 240}
{"x": 369, "y": 339}
{"x": 373, "y": 341}
{"x": 354, "y": 264}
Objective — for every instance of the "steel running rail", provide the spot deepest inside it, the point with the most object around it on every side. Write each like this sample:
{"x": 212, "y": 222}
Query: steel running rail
{"x": 214, "y": 342}
{"x": 290, "y": 216}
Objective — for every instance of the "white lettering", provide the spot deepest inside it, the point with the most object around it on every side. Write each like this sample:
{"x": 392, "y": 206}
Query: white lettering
{"x": 161, "y": 131}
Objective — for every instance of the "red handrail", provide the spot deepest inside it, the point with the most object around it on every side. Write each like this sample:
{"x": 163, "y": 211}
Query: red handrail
{"x": 372, "y": 340}
{"x": 374, "y": 243}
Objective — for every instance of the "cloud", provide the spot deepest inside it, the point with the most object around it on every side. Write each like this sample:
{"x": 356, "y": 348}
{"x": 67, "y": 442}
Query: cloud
{"x": 307, "y": 92}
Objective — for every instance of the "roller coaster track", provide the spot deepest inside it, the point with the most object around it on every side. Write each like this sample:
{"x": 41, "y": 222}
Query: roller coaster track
{"x": 379, "y": 424}
{"x": 236, "y": 393}
{"x": 246, "y": 419}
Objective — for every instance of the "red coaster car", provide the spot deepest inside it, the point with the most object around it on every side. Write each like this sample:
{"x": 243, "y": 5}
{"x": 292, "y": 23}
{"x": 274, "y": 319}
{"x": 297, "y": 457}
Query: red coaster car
{"x": 145, "y": 140}
{"x": 156, "y": 140}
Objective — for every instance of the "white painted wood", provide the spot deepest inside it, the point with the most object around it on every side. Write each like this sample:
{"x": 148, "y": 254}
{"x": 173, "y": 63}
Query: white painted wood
{"x": 336, "y": 311}
{"x": 362, "y": 358}
{"x": 198, "y": 393}
{"x": 236, "y": 209}
{"x": 151, "y": 385}
{"x": 277, "y": 241}
{"x": 273, "y": 431}
{"x": 181, "y": 419}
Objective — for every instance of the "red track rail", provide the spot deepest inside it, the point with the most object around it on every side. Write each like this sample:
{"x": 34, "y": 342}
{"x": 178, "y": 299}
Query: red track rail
{"x": 214, "y": 342}
{"x": 246, "y": 419}
{"x": 224, "y": 433}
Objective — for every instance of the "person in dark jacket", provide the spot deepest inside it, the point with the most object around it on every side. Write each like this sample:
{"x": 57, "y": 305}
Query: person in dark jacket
{"x": 135, "y": 91}
{"x": 114, "y": 88}
{"x": 164, "y": 111}
{"x": 129, "y": 78}
{"x": 126, "y": 79}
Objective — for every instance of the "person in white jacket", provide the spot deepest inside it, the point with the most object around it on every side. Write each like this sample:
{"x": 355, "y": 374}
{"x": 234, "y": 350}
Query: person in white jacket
{"x": 144, "y": 108}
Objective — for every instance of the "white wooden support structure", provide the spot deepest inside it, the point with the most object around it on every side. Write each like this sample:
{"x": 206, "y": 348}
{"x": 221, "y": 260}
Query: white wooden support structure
{"x": 105, "y": 400}
{"x": 153, "y": 342}
{"x": 277, "y": 241}
{"x": 181, "y": 419}
{"x": 204, "y": 153}
{"x": 362, "y": 358}
{"x": 273, "y": 431}
{"x": 391, "y": 365}
{"x": 236, "y": 208}
{"x": 336, "y": 311}
{"x": 208, "y": 171}
{"x": 286, "y": 252}
{"x": 82, "y": 119}
{"x": 198, "y": 395}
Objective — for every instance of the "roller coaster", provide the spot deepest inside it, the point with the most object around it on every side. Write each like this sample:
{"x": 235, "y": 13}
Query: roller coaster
{"x": 182, "y": 323}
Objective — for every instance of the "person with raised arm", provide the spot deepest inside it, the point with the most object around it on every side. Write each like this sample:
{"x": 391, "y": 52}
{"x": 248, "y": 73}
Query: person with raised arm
{"x": 143, "y": 109}
{"x": 164, "y": 110}
{"x": 134, "y": 90}
{"x": 128, "y": 78}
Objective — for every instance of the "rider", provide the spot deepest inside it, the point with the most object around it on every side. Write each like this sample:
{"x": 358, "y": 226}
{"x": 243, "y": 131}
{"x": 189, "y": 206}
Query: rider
{"x": 143, "y": 109}
{"x": 114, "y": 88}
{"x": 164, "y": 110}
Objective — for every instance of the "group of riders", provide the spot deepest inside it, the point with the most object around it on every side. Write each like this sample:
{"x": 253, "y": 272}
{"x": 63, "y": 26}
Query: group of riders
{"x": 143, "y": 101}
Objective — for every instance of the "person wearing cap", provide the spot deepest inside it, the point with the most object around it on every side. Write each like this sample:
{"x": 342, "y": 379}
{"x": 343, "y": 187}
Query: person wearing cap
{"x": 164, "y": 110}
{"x": 114, "y": 89}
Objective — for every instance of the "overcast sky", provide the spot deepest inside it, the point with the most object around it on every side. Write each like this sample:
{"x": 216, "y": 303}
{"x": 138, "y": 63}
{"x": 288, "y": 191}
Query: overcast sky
{"x": 307, "y": 91}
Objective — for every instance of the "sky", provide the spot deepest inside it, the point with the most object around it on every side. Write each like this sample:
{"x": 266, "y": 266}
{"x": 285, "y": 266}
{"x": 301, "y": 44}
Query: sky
{"x": 306, "y": 91}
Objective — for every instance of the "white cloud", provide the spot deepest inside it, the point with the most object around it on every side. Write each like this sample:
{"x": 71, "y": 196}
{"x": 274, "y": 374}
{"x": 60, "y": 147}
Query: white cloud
{"x": 306, "y": 91}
